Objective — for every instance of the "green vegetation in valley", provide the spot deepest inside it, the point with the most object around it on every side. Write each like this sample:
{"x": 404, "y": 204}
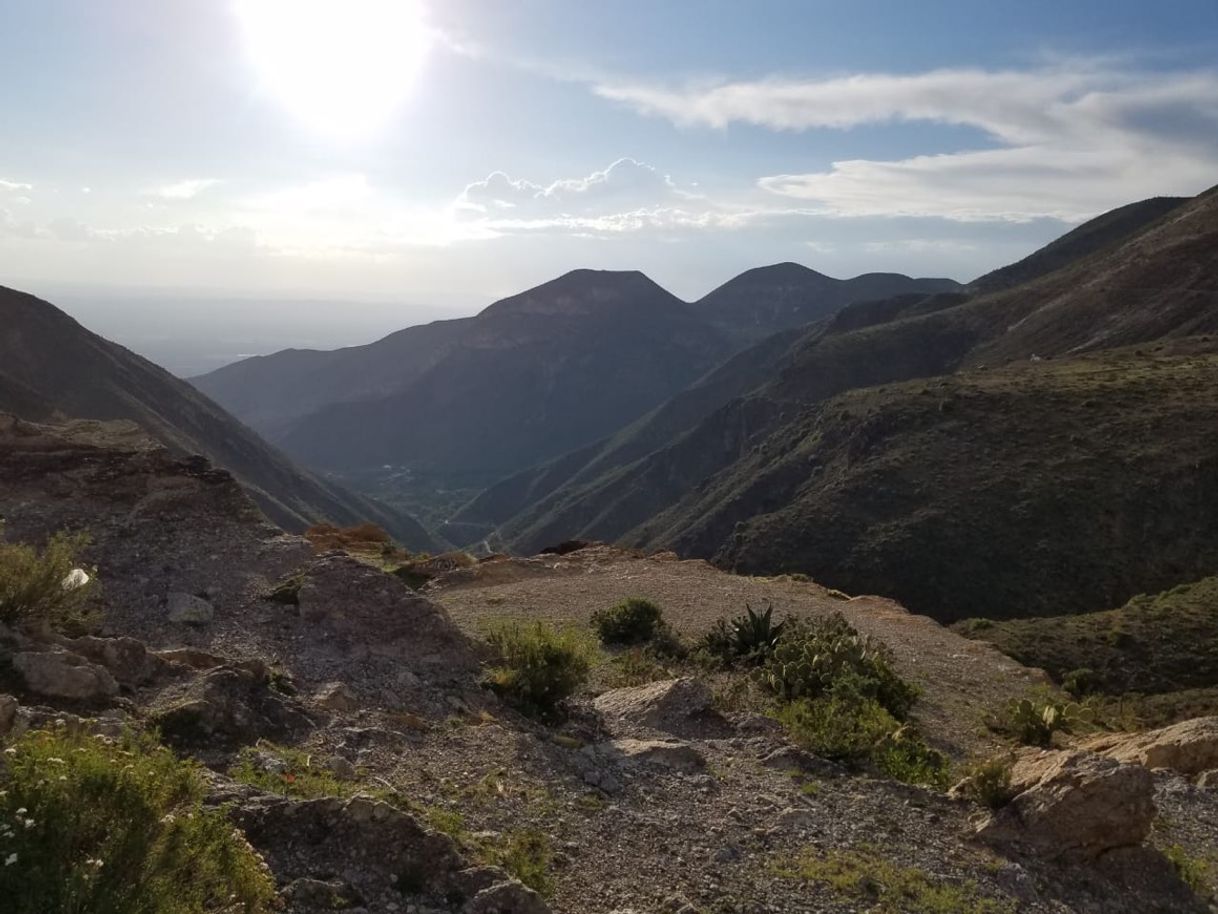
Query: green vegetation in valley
{"x": 1149, "y": 662}
{"x": 118, "y": 827}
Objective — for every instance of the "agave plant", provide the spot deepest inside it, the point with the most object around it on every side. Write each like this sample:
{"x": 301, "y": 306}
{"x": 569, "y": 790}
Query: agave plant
{"x": 755, "y": 635}
{"x": 1033, "y": 721}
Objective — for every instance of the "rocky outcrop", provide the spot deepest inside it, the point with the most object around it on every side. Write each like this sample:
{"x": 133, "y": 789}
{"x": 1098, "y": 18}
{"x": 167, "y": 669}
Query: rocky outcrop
{"x": 188, "y": 608}
{"x": 1073, "y": 804}
{"x": 336, "y": 696}
{"x": 58, "y": 673}
{"x": 370, "y": 854}
{"x": 231, "y": 704}
{"x": 678, "y": 706}
{"x": 1189, "y": 747}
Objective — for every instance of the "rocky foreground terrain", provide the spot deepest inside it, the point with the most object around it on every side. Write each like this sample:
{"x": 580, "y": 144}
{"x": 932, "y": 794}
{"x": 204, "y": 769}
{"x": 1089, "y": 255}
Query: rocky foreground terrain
{"x": 347, "y": 731}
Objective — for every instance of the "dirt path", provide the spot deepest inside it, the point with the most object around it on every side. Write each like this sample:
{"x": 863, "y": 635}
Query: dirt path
{"x": 961, "y": 679}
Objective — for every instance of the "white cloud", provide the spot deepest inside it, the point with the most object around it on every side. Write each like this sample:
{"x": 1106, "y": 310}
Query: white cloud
{"x": 14, "y": 185}
{"x": 1072, "y": 140}
{"x": 181, "y": 190}
{"x": 625, "y": 185}
{"x": 627, "y": 196}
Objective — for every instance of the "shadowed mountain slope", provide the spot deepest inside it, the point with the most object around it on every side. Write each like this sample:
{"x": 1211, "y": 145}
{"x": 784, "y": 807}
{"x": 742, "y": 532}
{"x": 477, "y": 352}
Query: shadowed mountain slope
{"x": 50, "y": 364}
{"x": 531, "y": 377}
{"x": 738, "y": 485}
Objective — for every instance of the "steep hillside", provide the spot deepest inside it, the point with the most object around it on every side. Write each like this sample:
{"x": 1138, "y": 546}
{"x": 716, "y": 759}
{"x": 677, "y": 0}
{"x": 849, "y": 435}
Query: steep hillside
{"x": 1040, "y": 489}
{"x": 269, "y": 392}
{"x": 1094, "y": 235}
{"x": 1155, "y": 643}
{"x": 527, "y": 494}
{"x": 765, "y": 300}
{"x": 51, "y": 364}
{"x": 531, "y": 377}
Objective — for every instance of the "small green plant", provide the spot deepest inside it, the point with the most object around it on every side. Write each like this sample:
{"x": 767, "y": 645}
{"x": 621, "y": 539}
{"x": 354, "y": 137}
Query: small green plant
{"x": 1032, "y": 721}
{"x": 527, "y": 855}
{"x": 539, "y": 666}
{"x": 289, "y": 772}
{"x": 887, "y": 888}
{"x": 632, "y": 621}
{"x": 748, "y": 639}
{"x": 1193, "y": 871}
{"x": 811, "y": 658}
{"x": 988, "y": 782}
{"x": 118, "y": 827}
{"x": 46, "y": 588}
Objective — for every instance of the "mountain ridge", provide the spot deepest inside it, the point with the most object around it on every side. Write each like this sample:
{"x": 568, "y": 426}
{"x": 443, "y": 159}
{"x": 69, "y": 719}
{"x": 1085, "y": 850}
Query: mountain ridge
{"x": 50, "y": 363}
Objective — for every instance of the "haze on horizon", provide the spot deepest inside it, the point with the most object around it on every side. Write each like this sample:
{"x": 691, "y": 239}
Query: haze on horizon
{"x": 201, "y": 180}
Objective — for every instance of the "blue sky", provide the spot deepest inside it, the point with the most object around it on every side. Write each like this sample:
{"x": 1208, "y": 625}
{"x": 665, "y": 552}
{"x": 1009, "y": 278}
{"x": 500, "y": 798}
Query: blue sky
{"x": 435, "y": 158}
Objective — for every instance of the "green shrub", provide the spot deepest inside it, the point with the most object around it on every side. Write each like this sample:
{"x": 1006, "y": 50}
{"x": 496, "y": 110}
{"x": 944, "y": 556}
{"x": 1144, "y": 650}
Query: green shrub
{"x": 35, "y": 589}
{"x": 539, "y": 666}
{"x": 988, "y": 782}
{"x": 632, "y": 621}
{"x": 90, "y": 825}
{"x": 1032, "y": 721}
{"x": 526, "y": 855}
{"x": 859, "y": 732}
{"x": 748, "y": 639}
{"x": 1081, "y": 682}
{"x": 812, "y": 657}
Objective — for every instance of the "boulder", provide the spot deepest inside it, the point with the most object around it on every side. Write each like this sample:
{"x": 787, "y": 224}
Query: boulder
{"x": 128, "y": 660}
{"x": 380, "y": 852}
{"x": 679, "y": 706}
{"x": 229, "y": 704}
{"x": 62, "y": 674}
{"x": 508, "y": 897}
{"x": 336, "y": 696}
{"x": 187, "y": 608}
{"x": 1073, "y": 804}
{"x": 1189, "y": 747}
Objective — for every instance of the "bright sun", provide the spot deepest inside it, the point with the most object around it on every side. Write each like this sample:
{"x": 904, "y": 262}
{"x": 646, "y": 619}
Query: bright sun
{"x": 342, "y": 66}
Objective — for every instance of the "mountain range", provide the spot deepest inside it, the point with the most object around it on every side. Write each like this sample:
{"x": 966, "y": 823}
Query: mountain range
{"x": 529, "y": 378}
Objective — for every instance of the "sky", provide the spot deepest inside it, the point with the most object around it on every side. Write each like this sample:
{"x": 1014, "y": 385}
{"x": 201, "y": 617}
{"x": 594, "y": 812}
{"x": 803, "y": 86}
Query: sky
{"x": 322, "y": 171}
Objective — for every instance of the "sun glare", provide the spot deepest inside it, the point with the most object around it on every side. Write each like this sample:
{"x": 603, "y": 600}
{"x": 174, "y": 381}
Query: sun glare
{"x": 341, "y": 66}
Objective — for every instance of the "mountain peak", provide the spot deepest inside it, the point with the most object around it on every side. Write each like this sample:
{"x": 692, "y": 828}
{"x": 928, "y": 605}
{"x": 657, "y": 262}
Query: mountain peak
{"x": 583, "y": 291}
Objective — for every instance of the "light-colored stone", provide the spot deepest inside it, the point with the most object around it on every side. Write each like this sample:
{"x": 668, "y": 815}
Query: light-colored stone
{"x": 1074, "y": 804}
{"x": 664, "y": 753}
{"x": 336, "y": 696}
{"x": 187, "y": 608}
{"x": 61, "y": 674}
{"x": 681, "y": 706}
{"x": 1189, "y": 747}
{"x": 1208, "y": 779}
